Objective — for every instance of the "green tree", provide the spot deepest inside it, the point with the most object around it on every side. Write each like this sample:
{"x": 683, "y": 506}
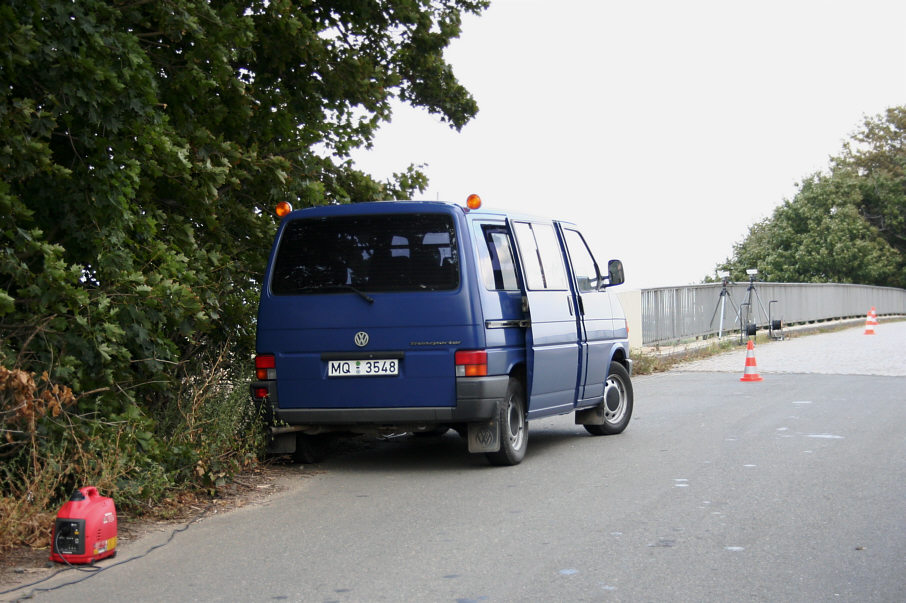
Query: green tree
{"x": 142, "y": 147}
{"x": 845, "y": 226}
{"x": 877, "y": 153}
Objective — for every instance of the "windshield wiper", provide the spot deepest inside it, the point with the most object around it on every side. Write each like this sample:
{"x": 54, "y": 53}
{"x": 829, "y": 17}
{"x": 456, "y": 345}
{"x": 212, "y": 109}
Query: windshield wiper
{"x": 361, "y": 293}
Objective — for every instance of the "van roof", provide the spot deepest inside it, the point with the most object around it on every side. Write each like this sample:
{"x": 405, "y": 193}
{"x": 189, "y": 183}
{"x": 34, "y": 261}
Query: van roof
{"x": 393, "y": 206}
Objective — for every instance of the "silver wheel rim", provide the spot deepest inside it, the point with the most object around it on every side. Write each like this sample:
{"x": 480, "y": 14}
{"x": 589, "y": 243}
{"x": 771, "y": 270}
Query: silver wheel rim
{"x": 614, "y": 400}
{"x": 515, "y": 424}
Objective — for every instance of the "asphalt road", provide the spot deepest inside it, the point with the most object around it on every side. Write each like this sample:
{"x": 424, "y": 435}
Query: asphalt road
{"x": 789, "y": 489}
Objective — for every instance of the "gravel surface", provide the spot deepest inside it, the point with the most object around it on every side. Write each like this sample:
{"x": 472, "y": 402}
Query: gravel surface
{"x": 848, "y": 352}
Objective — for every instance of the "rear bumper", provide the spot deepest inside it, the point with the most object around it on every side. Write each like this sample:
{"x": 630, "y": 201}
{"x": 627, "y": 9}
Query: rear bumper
{"x": 477, "y": 399}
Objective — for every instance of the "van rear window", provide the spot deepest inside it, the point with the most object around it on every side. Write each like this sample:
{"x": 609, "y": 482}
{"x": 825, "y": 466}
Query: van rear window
{"x": 388, "y": 252}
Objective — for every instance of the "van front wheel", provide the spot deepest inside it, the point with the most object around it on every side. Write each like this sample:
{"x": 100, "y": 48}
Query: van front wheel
{"x": 513, "y": 426}
{"x": 617, "y": 403}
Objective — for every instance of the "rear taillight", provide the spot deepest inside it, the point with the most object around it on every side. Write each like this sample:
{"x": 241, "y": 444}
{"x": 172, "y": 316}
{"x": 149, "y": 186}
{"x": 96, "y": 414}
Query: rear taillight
{"x": 265, "y": 367}
{"x": 260, "y": 393}
{"x": 471, "y": 363}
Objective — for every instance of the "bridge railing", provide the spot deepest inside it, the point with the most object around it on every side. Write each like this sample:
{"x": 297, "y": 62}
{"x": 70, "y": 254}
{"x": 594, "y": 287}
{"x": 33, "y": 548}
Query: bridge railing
{"x": 672, "y": 314}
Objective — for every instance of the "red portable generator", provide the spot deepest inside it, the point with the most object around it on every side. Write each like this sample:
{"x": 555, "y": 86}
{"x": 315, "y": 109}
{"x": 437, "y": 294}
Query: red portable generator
{"x": 85, "y": 529}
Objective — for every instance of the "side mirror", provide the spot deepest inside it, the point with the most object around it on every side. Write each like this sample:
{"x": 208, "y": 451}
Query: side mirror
{"x": 615, "y": 273}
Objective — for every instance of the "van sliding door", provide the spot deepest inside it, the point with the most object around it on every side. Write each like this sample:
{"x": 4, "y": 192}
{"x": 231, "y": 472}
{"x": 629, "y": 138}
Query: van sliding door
{"x": 596, "y": 317}
{"x": 552, "y": 339}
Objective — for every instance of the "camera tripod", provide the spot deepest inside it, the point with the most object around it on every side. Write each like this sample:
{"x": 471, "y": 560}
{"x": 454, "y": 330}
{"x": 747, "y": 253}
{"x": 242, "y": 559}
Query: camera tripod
{"x": 721, "y": 305}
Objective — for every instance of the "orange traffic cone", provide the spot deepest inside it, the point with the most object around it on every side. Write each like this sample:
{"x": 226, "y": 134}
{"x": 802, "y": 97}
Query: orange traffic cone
{"x": 871, "y": 321}
{"x": 751, "y": 373}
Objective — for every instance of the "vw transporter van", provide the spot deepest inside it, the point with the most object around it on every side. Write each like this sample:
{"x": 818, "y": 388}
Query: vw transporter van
{"x": 420, "y": 317}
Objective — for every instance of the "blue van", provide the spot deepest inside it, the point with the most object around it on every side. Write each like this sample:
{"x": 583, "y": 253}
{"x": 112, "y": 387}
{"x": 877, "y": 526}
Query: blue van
{"x": 419, "y": 317}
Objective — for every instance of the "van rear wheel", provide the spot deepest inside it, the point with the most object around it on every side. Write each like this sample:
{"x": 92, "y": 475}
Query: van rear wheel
{"x": 617, "y": 403}
{"x": 513, "y": 426}
{"x": 311, "y": 449}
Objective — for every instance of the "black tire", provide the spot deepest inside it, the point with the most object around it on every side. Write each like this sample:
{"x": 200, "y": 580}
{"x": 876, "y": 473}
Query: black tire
{"x": 513, "y": 426}
{"x": 617, "y": 402}
{"x": 312, "y": 449}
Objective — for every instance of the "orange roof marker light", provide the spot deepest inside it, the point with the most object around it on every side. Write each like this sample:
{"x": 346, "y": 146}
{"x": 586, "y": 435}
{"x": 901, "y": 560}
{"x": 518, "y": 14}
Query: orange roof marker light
{"x": 283, "y": 208}
{"x": 473, "y": 201}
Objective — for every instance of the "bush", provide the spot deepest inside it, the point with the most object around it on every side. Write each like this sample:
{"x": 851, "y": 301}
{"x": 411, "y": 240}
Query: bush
{"x": 54, "y": 443}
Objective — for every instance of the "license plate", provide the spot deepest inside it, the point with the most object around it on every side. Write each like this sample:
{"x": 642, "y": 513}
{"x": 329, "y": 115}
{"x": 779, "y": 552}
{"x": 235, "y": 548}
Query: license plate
{"x": 363, "y": 368}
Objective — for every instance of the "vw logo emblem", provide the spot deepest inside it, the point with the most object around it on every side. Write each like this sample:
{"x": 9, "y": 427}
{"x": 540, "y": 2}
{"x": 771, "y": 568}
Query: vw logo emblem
{"x": 361, "y": 339}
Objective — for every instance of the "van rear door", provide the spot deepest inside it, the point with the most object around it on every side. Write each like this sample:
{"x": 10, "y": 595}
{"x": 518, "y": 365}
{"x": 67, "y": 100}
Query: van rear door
{"x": 365, "y": 308}
{"x": 552, "y": 339}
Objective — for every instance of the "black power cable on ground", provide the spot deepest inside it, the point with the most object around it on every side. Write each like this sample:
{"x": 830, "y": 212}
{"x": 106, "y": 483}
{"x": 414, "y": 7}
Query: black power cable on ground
{"x": 94, "y": 570}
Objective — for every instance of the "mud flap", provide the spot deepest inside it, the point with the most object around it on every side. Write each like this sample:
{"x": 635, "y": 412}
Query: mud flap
{"x": 282, "y": 440}
{"x": 484, "y": 437}
{"x": 590, "y": 416}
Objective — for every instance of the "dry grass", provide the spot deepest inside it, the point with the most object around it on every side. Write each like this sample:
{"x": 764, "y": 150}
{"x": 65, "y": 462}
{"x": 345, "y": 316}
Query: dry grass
{"x": 662, "y": 360}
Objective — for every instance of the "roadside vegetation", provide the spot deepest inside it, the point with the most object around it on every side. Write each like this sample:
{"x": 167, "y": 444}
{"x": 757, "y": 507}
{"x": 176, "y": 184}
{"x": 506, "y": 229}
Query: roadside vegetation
{"x": 144, "y": 145}
{"x": 845, "y": 225}
{"x": 658, "y": 360}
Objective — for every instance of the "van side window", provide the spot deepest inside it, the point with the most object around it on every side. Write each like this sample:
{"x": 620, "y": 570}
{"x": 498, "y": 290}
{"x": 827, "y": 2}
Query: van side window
{"x": 541, "y": 256}
{"x": 582, "y": 261}
{"x": 497, "y": 261}
{"x": 387, "y": 252}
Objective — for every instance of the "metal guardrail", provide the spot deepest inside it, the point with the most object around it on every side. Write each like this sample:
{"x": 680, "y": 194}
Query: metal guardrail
{"x": 673, "y": 314}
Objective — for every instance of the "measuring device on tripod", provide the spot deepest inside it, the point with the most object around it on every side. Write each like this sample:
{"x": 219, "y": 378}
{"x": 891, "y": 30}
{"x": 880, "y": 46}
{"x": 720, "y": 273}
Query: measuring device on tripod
{"x": 749, "y": 327}
{"x": 747, "y": 311}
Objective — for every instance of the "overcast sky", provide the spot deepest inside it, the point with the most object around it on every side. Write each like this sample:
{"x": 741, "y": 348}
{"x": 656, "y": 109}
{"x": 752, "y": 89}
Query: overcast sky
{"x": 664, "y": 129}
